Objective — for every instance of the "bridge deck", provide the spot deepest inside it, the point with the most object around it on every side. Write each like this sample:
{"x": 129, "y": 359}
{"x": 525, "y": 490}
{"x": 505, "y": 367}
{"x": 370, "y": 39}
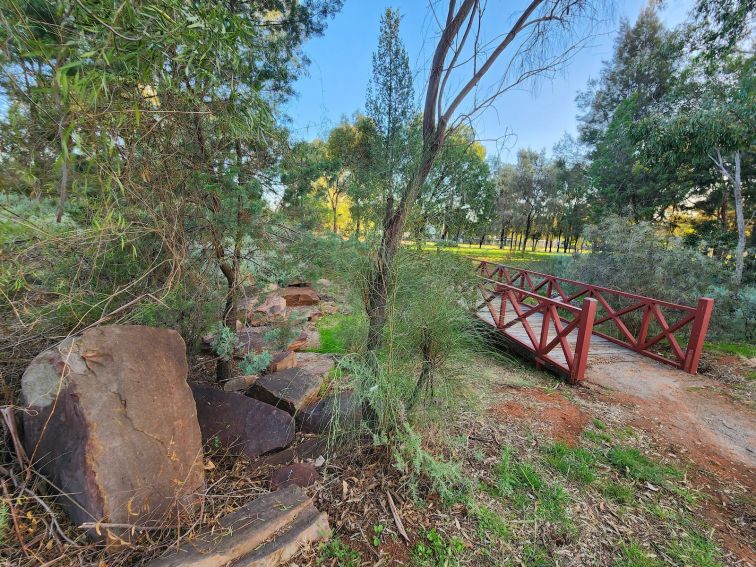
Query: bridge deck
{"x": 601, "y": 350}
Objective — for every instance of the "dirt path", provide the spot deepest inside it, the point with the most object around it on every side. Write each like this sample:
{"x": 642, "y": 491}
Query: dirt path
{"x": 717, "y": 432}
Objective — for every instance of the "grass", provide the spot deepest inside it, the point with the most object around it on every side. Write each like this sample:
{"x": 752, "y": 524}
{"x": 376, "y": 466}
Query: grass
{"x": 538, "y": 499}
{"x": 633, "y": 464}
{"x": 337, "y": 332}
{"x": 633, "y": 555}
{"x": 742, "y": 349}
{"x": 494, "y": 254}
{"x": 491, "y": 524}
{"x": 435, "y": 550}
{"x": 576, "y": 463}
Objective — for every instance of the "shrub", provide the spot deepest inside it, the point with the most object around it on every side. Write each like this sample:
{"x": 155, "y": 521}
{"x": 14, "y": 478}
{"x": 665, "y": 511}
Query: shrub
{"x": 645, "y": 259}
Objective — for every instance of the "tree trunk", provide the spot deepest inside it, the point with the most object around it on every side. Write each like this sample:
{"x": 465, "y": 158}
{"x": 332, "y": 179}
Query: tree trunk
{"x": 380, "y": 278}
{"x": 734, "y": 178}
{"x": 527, "y": 230}
{"x": 501, "y": 236}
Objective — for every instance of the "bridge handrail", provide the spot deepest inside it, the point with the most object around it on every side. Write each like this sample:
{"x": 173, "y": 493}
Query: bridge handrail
{"x": 538, "y": 297}
{"x": 661, "y": 302}
{"x": 696, "y": 317}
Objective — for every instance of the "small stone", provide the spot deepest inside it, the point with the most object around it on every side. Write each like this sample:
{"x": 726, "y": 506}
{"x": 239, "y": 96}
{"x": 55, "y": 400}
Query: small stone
{"x": 300, "y": 474}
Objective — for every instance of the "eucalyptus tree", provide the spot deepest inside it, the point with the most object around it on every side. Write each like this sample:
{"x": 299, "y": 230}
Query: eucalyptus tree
{"x": 464, "y": 80}
{"x": 162, "y": 113}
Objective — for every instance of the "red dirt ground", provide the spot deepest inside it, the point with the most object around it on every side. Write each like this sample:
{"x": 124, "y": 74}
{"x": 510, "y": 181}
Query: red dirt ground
{"x": 712, "y": 465}
{"x": 562, "y": 419}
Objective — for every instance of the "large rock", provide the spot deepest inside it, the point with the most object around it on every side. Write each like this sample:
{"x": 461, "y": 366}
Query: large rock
{"x": 296, "y": 296}
{"x": 290, "y": 390}
{"x": 248, "y": 426}
{"x": 339, "y": 411}
{"x": 315, "y": 363}
{"x": 265, "y": 532}
{"x": 112, "y": 423}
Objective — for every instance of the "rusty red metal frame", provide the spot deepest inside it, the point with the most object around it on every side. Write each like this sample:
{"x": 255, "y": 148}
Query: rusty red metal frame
{"x": 548, "y": 293}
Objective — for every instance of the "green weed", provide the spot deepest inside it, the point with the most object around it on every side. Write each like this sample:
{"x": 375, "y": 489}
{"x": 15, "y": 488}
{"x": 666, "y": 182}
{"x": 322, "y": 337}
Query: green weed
{"x": 742, "y": 349}
{"x": 618, "y": 492}
{"x": 377, "y": 531}
{"x": 536, "y": 556}
{"x": 633, "y": 555}
{"x": 526, "y": 487}
{"x": 575, "y": 463}
{"x": 344, "y": 555}
{"x": 491, "y": 524}
{"x": 694, "y": 549}
{"x": 435, "y": 551}
{"x": 338, "y": 333}
{"x": 255, "y": 363}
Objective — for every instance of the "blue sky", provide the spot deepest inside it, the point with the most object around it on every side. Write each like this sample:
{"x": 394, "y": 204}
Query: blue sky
{"x": 532, "y": 117}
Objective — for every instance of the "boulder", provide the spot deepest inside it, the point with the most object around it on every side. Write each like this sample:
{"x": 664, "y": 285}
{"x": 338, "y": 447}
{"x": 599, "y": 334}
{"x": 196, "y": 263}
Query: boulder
{"x": 112, "y": 423}
{"x": 283, "y": 360}
{"x": 297, "y": 296}
{"x": 245, "y": 425}
{"x": 300, "y": 474}
{"x": 290, "y": 390}
{"x": 342, "y": 410}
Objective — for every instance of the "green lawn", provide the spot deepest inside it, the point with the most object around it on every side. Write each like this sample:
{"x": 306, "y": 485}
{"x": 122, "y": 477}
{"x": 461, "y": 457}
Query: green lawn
{"x": 495, "y": 254}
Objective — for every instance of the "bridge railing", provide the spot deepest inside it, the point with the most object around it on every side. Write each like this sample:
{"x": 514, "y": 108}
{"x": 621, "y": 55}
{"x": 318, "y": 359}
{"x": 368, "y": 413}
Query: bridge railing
{"x": 667, "y": 332}
{"x": 543, "y": 326}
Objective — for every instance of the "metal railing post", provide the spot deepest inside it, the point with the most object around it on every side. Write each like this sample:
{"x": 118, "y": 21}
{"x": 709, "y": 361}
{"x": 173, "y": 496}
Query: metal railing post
{"x": 698, "y": 334}
{"x": 583, "y": 343}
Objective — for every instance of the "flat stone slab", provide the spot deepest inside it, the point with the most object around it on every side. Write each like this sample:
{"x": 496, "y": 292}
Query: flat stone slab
{"x": 236, "y": 421}
{"x": 315, "y": 363}
{"x": 245, "y": 537}
{"x": 290, "y": 389}
{"x": 310, "y": 527}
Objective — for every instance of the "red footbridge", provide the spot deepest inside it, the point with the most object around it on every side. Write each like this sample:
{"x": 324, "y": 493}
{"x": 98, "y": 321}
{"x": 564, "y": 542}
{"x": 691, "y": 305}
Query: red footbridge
{"x": 568, "y": 326}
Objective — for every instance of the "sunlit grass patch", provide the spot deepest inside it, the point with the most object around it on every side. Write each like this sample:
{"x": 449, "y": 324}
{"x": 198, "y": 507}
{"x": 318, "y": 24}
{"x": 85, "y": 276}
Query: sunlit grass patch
{"x": 742, "y": 349}
{"x": 338, "y": 333}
